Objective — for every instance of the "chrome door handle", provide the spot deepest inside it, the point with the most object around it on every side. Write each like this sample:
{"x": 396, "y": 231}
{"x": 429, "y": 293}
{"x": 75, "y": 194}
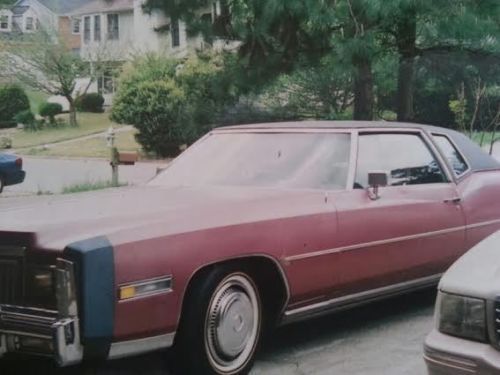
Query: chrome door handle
{"x": 453, "y": 200}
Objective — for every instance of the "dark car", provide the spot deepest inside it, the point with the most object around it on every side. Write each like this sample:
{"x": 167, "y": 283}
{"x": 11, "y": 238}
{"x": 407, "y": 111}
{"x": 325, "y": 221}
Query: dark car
{"x": 11, "y": 170}
{"x": 251, "y": 226}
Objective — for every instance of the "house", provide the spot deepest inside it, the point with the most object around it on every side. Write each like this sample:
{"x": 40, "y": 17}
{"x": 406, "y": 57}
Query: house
{"x": 117, "y": 30}
{"x": 52, "y": 16}
{"x": 123, "y": 29}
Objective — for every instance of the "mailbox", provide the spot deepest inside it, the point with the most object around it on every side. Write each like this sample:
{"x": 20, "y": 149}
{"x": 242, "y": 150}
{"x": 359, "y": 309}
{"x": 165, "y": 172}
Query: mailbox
{"x": 127, "y": 158}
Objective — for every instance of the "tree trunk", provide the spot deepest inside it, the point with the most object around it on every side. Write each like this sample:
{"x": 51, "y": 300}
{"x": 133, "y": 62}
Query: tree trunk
{"x": 406, "y": 42}
{"x": 363, "y": 90}
{"x": 72, "y": 112}
{"x": 406, "y": 87}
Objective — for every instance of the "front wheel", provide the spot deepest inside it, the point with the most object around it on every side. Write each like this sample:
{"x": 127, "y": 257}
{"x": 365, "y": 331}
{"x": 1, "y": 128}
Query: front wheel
{"x": 221, "y": 328}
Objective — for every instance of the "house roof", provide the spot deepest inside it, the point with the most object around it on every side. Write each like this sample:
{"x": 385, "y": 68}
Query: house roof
{"x": 104, "y": 6}
{"x": 64, "y": 7}
{"x": 19, "y": 10}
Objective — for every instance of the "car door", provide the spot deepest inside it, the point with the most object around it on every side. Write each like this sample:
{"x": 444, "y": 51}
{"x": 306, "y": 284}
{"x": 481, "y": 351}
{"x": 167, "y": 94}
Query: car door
{"x": 479, "y": 193}
{"x": 413, "y": 232}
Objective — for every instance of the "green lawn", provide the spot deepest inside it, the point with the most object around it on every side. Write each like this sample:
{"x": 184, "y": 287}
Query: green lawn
{"x": 89, "y": 123}
{"x": 89, "y": 186}
{"x": 89, "y": 148}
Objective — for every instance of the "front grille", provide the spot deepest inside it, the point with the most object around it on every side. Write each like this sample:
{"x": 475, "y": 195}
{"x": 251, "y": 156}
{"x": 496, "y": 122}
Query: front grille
{"x": 23, "y": 319}
{"x": 11, "y": 275}
{"x": 497, "y": 322}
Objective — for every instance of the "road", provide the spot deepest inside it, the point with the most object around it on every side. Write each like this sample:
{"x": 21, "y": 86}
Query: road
{"x": 384, "y": 338}
{"x": 52, "y": 175}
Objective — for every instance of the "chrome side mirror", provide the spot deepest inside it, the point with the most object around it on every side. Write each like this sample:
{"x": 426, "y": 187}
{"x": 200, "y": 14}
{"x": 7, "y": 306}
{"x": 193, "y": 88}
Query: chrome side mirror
{"x": 376, "y": 179}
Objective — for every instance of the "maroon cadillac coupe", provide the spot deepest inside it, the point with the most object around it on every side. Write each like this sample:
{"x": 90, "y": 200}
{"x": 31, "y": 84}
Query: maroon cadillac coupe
{"x": 251, "y": 226}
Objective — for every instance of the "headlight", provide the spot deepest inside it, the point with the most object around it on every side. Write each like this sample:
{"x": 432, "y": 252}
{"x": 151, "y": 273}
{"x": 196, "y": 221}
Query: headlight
{"x": 462, "y": 316}
{"x": 42, "y": 281}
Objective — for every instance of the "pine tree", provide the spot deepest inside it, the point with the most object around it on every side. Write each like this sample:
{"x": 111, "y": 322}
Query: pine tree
{"x": 279, "y": 35}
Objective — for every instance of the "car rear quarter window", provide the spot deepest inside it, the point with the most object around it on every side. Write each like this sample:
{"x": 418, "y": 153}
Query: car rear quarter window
{"x": 450, "y": 152}
{"x": 404, "y": 157}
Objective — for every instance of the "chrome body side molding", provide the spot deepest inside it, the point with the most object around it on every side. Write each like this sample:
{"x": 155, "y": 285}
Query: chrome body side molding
{"x": 358, "y": 299}
{"x": 297, "y": 257}
{"x": 132, "y": 347}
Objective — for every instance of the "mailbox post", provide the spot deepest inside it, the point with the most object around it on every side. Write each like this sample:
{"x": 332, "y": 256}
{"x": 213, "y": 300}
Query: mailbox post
{"x": 117, "y": 158}
{"x": 110, "y": 138}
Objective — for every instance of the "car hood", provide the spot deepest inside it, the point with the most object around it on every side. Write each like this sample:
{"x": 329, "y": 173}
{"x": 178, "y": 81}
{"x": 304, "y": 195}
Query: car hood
{"x": 477, "y": 273}
{"x": 135, "y": 213}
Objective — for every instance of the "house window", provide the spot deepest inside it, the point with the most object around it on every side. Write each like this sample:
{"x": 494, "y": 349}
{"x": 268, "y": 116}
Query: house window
{"x": 29, "y": 24}
{"x": 176, "y": 35}
{"x": 97, "y": 28}
{"x": 86, "y": 29}
{"x": 4, "y": 22}
{"x": 75, "y": 26}
{"x": 106, "y": 84}
{"x": 206, "y": 18}
{"x": 113, "y": 27}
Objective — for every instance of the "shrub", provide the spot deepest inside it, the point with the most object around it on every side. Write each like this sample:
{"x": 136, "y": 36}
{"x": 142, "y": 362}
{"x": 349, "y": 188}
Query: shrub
{"x": 25, "y": 117}
{"x": 50, "y": 110}
{"x": 92, "y": 102}
{"x": 28, "y": 120}
{"x": 13, "y": 100}
{"x": 156, "y": 107}
{"x": 173, "y": 102}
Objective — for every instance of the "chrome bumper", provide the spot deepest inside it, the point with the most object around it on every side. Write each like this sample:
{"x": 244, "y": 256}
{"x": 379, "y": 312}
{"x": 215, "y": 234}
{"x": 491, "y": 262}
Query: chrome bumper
{"x": 447, "y": 355}
{"x": 45, "y": 332}
{"x": 40, "y": 332}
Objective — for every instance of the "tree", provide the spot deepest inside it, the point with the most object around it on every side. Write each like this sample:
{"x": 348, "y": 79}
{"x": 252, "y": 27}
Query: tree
{"x": 422, "y": 28}
{"x": 47, "y": 64}
{"x": 173, "y": 102}
{"x": 321, "y": 92}
{"x": 279, "y": 35}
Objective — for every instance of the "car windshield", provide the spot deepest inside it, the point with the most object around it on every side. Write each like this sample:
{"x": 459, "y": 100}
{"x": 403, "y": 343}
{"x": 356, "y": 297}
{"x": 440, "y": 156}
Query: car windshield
{"x": 286, "y": 160}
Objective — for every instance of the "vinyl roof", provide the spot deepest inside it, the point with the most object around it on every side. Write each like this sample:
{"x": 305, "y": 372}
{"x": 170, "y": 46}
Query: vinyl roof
{"x": 337, "y": 125}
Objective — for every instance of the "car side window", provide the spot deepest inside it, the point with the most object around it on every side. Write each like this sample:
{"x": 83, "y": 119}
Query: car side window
{"x": 450, "y": 152}
{"x": 404, "y": 157}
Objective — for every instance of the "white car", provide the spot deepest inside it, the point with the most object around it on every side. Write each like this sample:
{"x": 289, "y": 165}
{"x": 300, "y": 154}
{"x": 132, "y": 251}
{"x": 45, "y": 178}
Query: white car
{"x": 466, "y": 337}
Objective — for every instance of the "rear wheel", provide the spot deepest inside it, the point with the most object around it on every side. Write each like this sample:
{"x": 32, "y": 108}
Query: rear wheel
{"x": 2, "y": 184}
{"x": 222, "y": 323}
